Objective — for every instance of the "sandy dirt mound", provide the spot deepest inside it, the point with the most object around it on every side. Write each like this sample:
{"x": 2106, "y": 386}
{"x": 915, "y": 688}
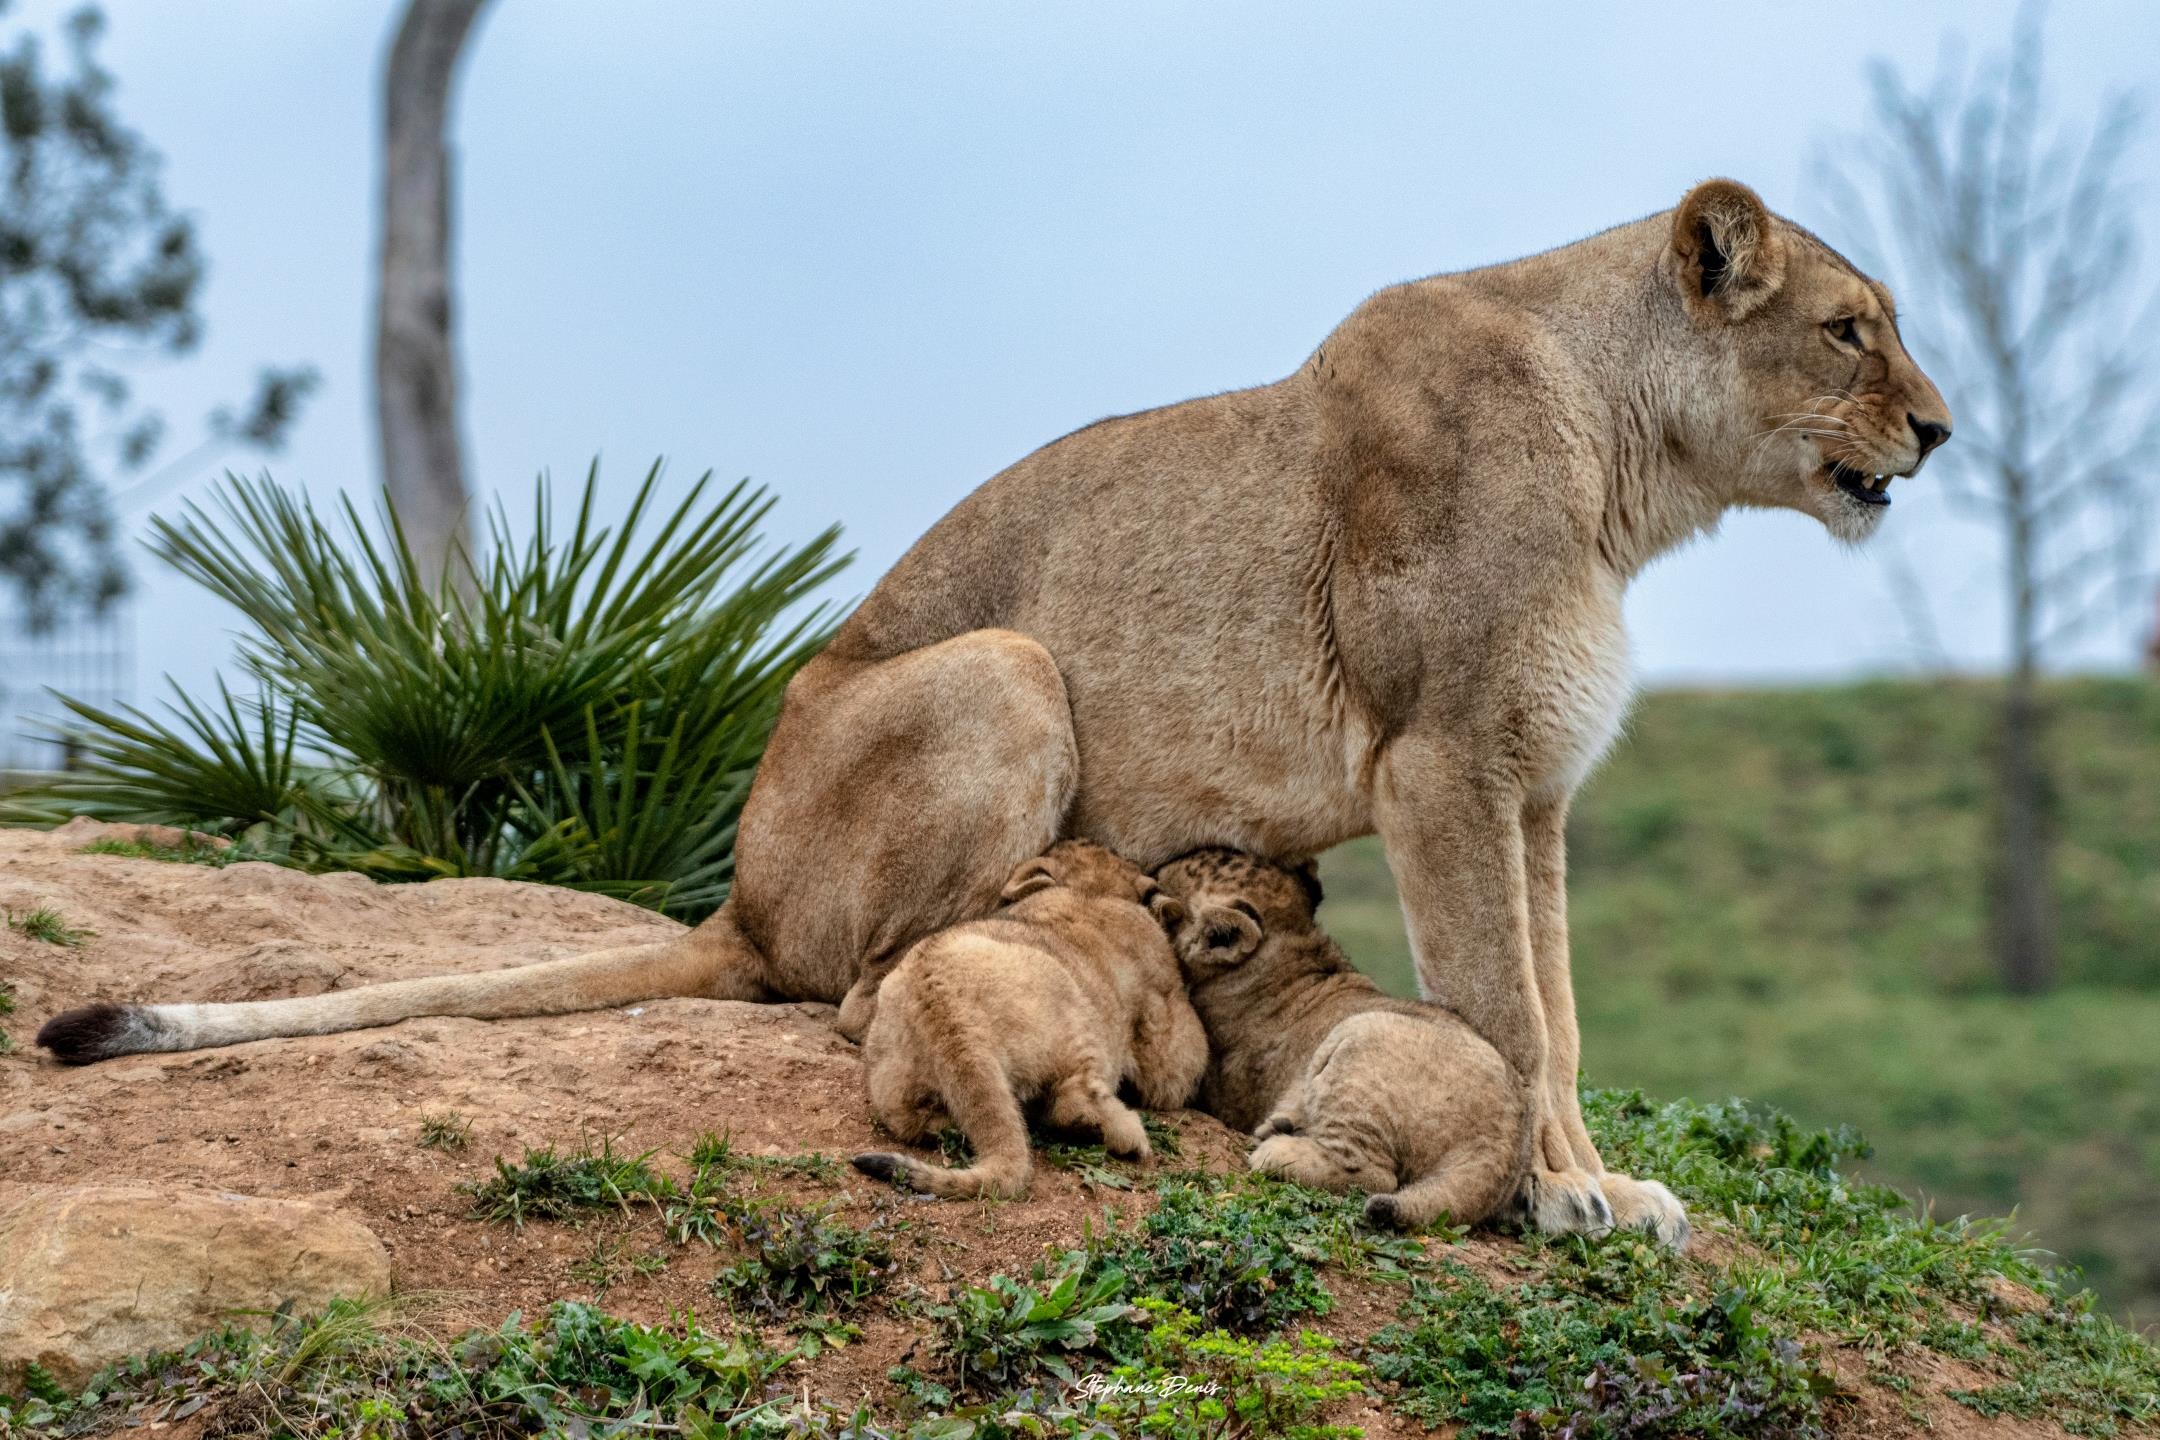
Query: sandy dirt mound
{"x": 336, "y": 1120}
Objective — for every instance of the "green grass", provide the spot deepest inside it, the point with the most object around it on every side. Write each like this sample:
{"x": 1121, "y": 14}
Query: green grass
{"x": 799, "y": 1259}
{"x": 46, "y": 924}
{"x": 1191, "y": 1324}
{"x": 445, "y": 1130}
{"x": 191, "y": 851}
{"x": 7, "y": 1008}
{"x": 1783, "y": 894}
{"x": 548, "y": 1186}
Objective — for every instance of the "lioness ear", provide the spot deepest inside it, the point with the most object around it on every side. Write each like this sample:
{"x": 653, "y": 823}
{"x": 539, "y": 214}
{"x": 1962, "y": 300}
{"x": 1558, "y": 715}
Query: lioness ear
{"x": 1033, "y": 876}
{"x": 1727, "y": 251}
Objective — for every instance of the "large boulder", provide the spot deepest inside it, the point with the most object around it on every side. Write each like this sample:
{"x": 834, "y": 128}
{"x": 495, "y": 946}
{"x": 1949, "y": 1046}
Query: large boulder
{"x": 92, "y": 1273}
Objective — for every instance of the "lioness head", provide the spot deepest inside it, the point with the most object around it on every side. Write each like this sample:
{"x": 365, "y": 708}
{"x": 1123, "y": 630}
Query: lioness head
{"x": 1218, "y": 905}
{"x": 1833, "y": 404}
{"x": 1079, "y": 865}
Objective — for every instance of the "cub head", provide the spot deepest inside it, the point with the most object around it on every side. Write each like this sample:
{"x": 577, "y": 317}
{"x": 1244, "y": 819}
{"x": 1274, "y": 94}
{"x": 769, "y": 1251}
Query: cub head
{"x": 1831, "y": 406}
{"x": 1079, "y": 865}
{"x": 1218, "y": 905}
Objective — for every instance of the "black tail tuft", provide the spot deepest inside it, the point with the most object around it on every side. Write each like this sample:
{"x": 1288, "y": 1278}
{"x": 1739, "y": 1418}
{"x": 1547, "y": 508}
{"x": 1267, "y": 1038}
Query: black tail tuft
{"x": 882, "y": 1165}
{"x": 93, "y": 1032}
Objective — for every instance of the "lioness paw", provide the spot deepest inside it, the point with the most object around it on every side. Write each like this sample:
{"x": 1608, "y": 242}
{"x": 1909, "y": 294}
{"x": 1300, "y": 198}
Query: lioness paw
{"x": 1565, "y": 1202}
{"x": 1648, "y": 1206}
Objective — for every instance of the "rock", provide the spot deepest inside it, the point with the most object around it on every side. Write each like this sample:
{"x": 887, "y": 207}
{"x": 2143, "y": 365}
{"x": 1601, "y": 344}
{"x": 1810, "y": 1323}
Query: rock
{"x": 91, "y": 1273}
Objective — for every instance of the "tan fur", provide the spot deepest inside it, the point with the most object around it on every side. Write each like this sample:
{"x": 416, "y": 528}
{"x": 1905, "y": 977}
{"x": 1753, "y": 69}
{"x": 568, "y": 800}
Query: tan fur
{"x": 1344, "y": 1087}
{"x": 1383, "y": 593}
{"x": 1059, "y": 998}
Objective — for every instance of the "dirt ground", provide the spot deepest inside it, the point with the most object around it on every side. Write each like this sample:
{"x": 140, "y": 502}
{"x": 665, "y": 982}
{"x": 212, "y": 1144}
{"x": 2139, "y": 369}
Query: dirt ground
{"x": 337, "y": 1119}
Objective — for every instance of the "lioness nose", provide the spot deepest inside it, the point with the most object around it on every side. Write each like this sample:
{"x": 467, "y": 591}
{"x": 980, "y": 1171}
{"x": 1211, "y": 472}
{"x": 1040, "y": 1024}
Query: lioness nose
{"x": 1928, "y": 433}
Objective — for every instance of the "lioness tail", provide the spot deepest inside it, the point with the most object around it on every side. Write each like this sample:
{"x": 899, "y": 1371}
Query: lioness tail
{"x": 716, "y": 961}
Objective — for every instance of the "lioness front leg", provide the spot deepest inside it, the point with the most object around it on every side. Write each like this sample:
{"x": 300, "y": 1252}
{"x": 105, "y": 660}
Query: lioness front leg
{"x": 1636, "y": 1204}
{"x": 1453, "y": 827}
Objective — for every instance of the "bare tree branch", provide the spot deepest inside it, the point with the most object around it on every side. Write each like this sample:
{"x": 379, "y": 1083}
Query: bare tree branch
{"x": 2012, "y": 223}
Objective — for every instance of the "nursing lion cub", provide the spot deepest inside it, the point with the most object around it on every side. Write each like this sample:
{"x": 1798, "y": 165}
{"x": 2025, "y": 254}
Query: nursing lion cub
{"x": 1066, "y": 992}
{"x": 1346, "y": 1088}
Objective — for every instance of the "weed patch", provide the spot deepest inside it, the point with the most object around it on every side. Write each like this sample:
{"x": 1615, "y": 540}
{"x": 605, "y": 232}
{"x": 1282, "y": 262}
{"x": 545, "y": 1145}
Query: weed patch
{"x": 353, "y": 1371}
{"x": 611, "y": 1261}
{"x": 1243, "y": 1252}
{"x": 800, "y": 1260}
{"x": 446, "y": 1130}
{"x": 193, "y": 850}
{"x": 548, "y": 1186}
{"x": 47, "y": 924}
{"x": 714, "y": 1160}
{"x": 1608, "y": 1340}
{"x": 1615, "y": 1337}
{"x": 1010, "y": 1331}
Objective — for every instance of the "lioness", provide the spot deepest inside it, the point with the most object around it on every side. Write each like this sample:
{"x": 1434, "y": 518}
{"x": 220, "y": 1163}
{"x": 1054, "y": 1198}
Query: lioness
{"x": 1345, "y": 1088}
{"x": 1066, "y": 993}
{"x": 1383, "y": 592}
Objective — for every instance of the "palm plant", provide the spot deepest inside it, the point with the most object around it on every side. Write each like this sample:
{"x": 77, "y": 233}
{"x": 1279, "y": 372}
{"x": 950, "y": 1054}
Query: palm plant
{"x": 588, "y": 712}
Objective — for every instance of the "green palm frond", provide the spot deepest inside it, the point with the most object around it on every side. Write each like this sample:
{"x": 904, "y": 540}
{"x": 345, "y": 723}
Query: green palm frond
{"x": 589, "y": 711}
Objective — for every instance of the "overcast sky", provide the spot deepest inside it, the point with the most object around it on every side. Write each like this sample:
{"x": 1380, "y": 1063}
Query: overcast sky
{"x": 871, "y": 254}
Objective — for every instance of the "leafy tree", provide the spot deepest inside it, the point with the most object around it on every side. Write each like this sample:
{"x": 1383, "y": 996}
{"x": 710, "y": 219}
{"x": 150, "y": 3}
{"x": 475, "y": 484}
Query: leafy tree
{"x": 94, "y": 264}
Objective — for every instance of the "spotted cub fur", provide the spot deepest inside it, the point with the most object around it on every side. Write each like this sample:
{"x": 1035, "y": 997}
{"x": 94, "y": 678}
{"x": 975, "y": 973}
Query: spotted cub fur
{"x": 1345, "y": 1088}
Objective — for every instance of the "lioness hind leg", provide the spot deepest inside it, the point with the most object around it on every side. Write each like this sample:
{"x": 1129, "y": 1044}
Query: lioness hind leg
{"x": 894, "y": 798}
{"x": 860, "y": 1005}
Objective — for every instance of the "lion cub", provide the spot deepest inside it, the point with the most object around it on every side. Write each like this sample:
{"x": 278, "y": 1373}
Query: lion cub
{"x": 1345, "y": 1088}
{"x": 1068, "y": 990}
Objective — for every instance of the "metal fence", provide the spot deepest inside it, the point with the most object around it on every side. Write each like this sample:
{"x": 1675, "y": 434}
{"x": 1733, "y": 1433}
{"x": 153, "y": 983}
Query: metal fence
{"x": 89, "y": 660}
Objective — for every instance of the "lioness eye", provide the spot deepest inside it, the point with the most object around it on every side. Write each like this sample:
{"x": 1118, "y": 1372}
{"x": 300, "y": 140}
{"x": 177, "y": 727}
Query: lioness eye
{"x": 1844, "y": 330}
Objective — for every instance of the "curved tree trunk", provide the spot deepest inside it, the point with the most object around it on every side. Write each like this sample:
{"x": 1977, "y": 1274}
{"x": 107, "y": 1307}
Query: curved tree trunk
{"x": 415, "y": 361}
{"x": 2152, "y": 643}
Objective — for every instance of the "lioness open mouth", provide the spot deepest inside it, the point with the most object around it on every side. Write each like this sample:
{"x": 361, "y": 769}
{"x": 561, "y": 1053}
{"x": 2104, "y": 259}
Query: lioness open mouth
{"x": 1867, "y": 489}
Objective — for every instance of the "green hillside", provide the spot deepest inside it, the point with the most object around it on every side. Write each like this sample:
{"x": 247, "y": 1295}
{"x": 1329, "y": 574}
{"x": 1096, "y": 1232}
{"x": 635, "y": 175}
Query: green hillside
{"x": 1782, "y": 894}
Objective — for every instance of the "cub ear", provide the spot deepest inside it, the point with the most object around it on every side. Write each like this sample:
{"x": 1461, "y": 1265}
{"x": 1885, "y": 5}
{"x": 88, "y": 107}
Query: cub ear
{"x": 1308, "y": 878}
{"x": 1026, "y": 880}
{"x": 1168, "y": 910}
{"x": 1228, "y": 935}
{"x": 1726, "y": 250}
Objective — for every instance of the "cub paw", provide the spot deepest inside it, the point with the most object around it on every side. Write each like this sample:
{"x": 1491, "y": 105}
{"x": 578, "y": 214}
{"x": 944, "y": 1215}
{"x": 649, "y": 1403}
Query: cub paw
{"x": 1564, "y": 1202}
{"x": 1275, "y": 1125}
{"x": 1382, "y": 1212}
{"x": 1648, "y": 1206}
{"x": 1125, "y": 1137}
